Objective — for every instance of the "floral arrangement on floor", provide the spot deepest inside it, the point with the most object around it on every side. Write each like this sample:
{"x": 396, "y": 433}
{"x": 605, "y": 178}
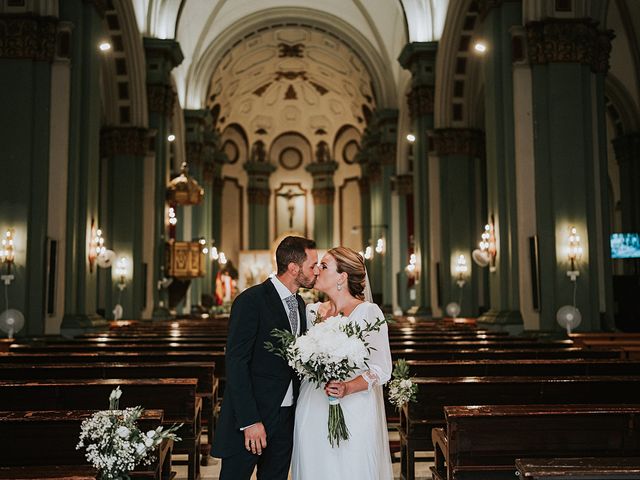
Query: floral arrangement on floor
{"x": 114, "y": 444}
{"x": 333, "y": 349}
{"x": 401, "y": 389}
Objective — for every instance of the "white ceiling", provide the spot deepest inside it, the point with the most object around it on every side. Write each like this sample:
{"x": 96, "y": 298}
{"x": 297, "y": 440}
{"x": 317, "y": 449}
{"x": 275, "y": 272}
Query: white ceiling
{"x": 377, "y": 30}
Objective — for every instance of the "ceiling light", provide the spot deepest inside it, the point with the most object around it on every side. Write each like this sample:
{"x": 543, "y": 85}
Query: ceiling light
{"x": 171, "y": 137}
{"x": 411, "y": 138}
{"x": 104, "y": 46}
{"x": 480, "y": 47}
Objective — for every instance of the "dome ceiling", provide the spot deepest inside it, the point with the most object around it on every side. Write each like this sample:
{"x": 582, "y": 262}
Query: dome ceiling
{"x": 290, "y": 79}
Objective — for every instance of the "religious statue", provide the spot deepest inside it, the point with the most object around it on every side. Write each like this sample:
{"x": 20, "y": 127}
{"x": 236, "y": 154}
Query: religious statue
{"x": 290, "y": 195}
{"x": 322, "y": 152}
{"x": 258, "y": 153}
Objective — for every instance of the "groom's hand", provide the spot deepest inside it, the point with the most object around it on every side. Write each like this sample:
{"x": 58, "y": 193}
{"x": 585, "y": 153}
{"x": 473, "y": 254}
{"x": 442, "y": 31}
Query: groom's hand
{"x": 255, "y": 438}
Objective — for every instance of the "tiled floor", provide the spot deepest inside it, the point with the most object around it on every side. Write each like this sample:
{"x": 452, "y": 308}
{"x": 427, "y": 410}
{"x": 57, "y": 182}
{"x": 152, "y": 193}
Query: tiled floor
{"x": 212, "y": 471}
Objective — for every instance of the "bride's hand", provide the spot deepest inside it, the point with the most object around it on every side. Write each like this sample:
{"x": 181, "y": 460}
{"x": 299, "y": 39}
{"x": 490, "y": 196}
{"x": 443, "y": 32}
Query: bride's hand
{"x": 337, "y": 389}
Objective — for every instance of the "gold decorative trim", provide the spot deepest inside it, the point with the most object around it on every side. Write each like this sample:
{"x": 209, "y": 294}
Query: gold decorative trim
{"x": 185, "y": 259}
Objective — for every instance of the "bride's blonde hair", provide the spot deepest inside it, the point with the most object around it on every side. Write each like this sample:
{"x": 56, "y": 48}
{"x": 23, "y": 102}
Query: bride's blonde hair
{"x": 352, "y": 263}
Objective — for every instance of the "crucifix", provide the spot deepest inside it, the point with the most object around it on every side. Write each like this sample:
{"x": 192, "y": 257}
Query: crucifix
{"x": 291, "y": 206}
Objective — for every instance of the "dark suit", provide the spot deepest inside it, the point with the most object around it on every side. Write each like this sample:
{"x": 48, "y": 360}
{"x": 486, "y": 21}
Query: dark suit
{"x": 256, "y": 383}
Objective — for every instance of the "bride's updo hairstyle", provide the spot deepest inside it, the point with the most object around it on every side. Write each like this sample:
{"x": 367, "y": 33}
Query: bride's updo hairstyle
{"x": 352, "y": 264}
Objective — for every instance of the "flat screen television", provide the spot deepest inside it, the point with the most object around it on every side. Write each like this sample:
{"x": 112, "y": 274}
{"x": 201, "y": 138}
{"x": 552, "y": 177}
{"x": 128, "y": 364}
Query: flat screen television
{"x": 625, "y": 245}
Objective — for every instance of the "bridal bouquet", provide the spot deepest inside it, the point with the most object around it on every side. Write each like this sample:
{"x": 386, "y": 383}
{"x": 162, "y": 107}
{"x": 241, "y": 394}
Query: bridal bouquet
{"x": 333, "y": 349}
{"x": 114, "y": 444}
{"x": 401, "y": 389}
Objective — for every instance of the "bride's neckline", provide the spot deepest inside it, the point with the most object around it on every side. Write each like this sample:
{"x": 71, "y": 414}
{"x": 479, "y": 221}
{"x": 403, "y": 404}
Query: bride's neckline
{"x": 354, "y": 309}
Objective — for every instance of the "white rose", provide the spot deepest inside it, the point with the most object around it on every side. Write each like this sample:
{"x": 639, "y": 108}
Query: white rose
{"x": 140, "y": 448}
{"x": 148, "y": 442}
{"x": 151, "y": 433}
{"x": 123, "y": 432}
{"x": 406, "y": 383}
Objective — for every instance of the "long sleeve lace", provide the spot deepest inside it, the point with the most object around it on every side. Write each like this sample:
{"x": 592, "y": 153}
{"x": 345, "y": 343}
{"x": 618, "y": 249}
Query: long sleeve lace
{"x": 380, "y": 364}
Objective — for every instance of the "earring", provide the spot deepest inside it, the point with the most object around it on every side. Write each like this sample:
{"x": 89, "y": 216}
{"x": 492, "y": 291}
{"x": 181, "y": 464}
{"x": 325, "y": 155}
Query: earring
{"x": 339, "y": 286}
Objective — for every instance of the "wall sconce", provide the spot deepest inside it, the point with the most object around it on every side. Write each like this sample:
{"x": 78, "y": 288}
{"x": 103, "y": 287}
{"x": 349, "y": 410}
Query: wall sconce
{"x": 411, "y": 138}
{"x": 486, "y": 254}
{"x": 380, "y": 245}
{"x": 7, "y": 255}
{"x": 213, "y": 252}
{"x": 121, "y": 272}
{"x": 204, "y": 249}
{"x": 173, "y": 220}
{"x": 96, "y": 245}
{"x": 368, "y": 252}
{"x": 574, "y": 253}
{"x": 222, "y": 258}
{"x": 461, "y": 270}
{"x": 411, "y": 267}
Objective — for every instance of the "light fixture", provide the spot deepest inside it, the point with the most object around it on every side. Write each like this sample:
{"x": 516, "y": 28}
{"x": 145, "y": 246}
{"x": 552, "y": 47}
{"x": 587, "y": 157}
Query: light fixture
{"x": 411, "y": 267}
{"x": 480, "y": 47}
{"x": 461, "y": 270}
{"x": 222, "y": 260}
{"x": 204, "y": 248}
{"x": 171, "y": 137}
{"x": 121, "y": 272}
{"x": 213, "y": 252}
{"x": 574, "y": 253}
{"x": 104, "y": 46}
{"x": 411, "y": 137}
{"x": 486, "y": 254}
{"x": 7, "y": 255}
{"x": 368, "y": 252}
{"x": 380, "y": 245}
{"x": 96, "y": 245}
{"x": 173, "y": 219}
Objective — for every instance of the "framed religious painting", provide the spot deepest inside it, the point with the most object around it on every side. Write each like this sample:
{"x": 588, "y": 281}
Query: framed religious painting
{"x": 291, "y": 209}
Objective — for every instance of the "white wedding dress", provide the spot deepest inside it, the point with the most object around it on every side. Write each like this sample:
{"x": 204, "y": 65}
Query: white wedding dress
{"x": 366, "y": 455}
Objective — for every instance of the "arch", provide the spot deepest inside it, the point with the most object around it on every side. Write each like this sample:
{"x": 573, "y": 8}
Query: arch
{"x": 623, "y": 104}
{"x": 201, "y": 71}
{"x": 281, "y": 143}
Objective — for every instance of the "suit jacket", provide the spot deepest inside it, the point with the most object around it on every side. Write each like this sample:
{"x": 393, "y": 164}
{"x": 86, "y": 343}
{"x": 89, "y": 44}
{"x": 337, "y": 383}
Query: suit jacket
{"x": 256, "y": 379}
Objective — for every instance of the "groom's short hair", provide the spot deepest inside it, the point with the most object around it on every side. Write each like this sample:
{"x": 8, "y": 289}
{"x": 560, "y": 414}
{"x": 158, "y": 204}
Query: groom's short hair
{"x": 292, "y": 250}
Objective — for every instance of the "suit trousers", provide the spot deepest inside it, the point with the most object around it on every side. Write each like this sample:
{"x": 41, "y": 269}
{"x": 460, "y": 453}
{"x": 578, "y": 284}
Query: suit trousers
{"x": 275, "y": 460}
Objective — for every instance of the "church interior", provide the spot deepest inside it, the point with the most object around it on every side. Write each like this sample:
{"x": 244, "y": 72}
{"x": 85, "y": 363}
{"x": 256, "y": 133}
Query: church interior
{"x": 483, "y": 156}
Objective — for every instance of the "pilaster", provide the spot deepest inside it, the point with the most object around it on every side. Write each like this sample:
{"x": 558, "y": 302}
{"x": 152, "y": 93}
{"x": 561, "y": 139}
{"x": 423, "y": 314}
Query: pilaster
{"x": 324, "y": 193}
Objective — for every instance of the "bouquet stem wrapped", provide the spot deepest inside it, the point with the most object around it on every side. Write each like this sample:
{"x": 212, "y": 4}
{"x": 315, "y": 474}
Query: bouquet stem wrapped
{"x": 334, "y": 349}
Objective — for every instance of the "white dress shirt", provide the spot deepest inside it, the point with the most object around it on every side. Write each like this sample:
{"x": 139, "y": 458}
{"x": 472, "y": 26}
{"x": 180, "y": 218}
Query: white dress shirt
{"x": 284, "y": 292}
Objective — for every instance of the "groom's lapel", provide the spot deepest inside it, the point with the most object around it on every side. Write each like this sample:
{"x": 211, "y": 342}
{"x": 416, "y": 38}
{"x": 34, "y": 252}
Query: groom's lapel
{"x": 302, "y": 310}
{"x": 276, "y": 305}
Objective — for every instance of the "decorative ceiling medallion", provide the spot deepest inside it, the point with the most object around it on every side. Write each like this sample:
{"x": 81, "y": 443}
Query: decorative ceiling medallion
{"x": 231, "y": 150}
{"x": 290, "y": 158}
{"x": 259, "y": 91}
{"x": 290, "y": 93}
{"x": 291, "y": 50}
{"x": 321, "y": 90}
{"x": 349, "y": 151}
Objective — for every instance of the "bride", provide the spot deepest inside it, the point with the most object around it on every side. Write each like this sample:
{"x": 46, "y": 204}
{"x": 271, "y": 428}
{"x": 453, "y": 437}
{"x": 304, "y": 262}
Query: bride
{"x": 365, "y": 456}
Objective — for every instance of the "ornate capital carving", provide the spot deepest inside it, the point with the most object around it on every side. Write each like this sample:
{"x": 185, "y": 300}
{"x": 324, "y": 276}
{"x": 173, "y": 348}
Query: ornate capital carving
{"x": 324, "y": 195}
{"x": 28, "y": 37}
{"x": 123, "y": 141}
{"x": 420, "y": 101}
{"x": 161, "y": 99}
{"x": 458, "y": 141}
{"x": 569, "y": 41}
{"x": 387, "y": 153}
{"x": 259, "y": 195}
{"x": 403, "y": 184}
{"x": 627, "y": 148}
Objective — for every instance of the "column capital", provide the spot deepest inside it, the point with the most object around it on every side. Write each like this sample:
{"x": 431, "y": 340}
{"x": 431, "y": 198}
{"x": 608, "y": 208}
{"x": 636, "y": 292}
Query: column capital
{"x": 28, "y": 36}
{"x": 420, "y": 100}
{"x": 323, "y": 195}
{"x": 627, "y": 148}
{"x": 569, "y": 41}
{"x": 322, "y": 169}
{"x": 458, "y": 141}
{"x": 124, "y": 141}
{"x": 417, "y": 55}
{"x": 163, "y": 48}
{"x": 484, "y": 6}
{"x": 101, "y": 6}
{"x": 161, "y": 99}
{"x": 262, "y": 169}
{"x": 403, "y": 184}
{"x": 387, "y": 125}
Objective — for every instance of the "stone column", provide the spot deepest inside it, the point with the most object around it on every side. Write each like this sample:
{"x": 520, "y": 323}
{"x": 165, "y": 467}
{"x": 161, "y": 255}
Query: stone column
{"x": 84, "y": 165}
{"x": 27, "y": 50}
{"x": 387, "y": 121}
{"x": 162, "y": 57}
{"x": 324, "y": 194}
{"x": 403, "y": 187}
{"x": 124, "y": 150}
{"x": 259, "y": 195}
{"x": 459, "y": 151}
{"x": 501, "y": 16}
{"x": 420, "y": 59}
{"x": 569, "y": 59}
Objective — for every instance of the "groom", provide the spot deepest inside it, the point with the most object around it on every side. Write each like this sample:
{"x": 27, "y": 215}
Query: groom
{"x": 256, "y": 420}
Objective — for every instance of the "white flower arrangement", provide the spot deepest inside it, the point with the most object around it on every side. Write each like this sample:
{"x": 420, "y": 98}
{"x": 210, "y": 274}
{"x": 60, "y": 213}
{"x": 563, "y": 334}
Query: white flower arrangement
{"x": 401, "y": 389}
{"x": 333, "y": 349}
{"x": 113, "y": 442}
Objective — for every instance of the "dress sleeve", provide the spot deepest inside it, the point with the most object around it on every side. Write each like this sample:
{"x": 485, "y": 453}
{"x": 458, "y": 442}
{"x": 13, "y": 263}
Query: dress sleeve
{"x": 380, "y": 365}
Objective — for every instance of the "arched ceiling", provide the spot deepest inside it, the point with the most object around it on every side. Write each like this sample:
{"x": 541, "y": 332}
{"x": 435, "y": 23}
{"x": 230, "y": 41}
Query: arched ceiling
{"x": 291, "y": 78}
{"x": 376, "y": 29}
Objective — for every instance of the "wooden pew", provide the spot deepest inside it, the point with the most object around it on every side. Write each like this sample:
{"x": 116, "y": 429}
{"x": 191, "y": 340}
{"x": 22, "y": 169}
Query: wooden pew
{"x": 487, "y": 354}
{"x": 175, "y": 396}
{"x": 584, "y": 468}
{"x": 477, "y": 344}
{"x": 485, "y": 441}
{"x": 417, "y": 419}
{"x": 204, "y": 372}
{"x": 49, "y": 472}
{"x": 45, "y": 438}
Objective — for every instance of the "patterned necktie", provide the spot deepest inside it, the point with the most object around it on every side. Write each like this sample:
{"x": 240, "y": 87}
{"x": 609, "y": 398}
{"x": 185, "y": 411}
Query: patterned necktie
{"x": 292, "y": 303}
